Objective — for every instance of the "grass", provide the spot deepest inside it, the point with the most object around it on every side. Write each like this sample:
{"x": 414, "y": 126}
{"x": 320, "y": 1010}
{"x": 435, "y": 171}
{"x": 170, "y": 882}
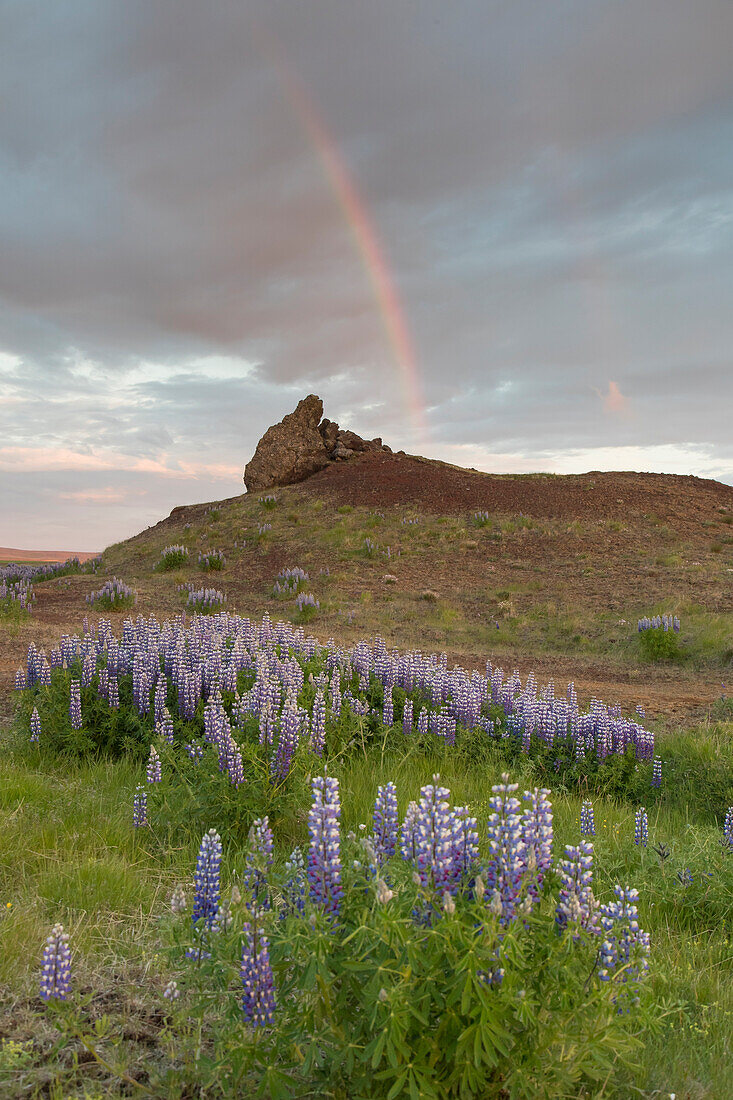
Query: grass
{"x": 68, "y": 852}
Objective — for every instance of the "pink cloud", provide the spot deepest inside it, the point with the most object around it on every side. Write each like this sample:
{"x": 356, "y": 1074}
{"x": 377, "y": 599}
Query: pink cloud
{"x": 614, "y": 401}
{"x": 40, "y": 459}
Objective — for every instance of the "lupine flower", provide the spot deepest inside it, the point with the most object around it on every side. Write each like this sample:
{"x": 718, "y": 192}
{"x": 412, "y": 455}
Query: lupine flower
{"x": 537, "y": 833}
{"x": 164, "y": 727}
{"x": 624, "y": 950}
{"x": 178, "y": 900}
{"x": 641, "y": 827}
{"x": 508, "y": 851}
{"x": 385, "y": 822}
{"x": 35, "y": 726}
{"x": 407, "y": 717}
{"x": 153, "y": 770}
{"x": 207, "y": 880}
{"x": 434, "y": 833}
{"x": 294, "y": 886}
{"x": 576, "y": 904}
{"x": 324, "y": 852}
{"x": 408, "y": 833}
{"x": 587, "y": 819}
{"x": 728, "y": 830}
{"x": 318, "y": 724}
{"x": 171, "y": 991}
{"x": 75, "y": 705}
{"x": 140, "y": 807}
{"x": 657, "y": 772}
{"x": 56, "y": 966}
{"x": 258, "y": 998}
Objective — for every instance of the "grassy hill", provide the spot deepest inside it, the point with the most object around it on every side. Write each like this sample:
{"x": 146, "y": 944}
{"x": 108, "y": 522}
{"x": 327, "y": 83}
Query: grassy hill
{"x": 538, "y": 573}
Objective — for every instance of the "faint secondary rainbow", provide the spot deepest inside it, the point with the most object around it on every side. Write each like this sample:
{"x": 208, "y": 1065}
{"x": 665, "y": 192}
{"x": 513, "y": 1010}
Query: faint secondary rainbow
{"x": 362, "y": 229}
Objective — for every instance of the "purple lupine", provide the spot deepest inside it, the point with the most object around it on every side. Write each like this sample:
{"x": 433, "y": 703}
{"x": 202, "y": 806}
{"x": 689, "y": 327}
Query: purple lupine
{"x": 19, "y": 683}
{"x": 318, "y": 724}
{"x": 388, "y": 707}
{"x": 576, "y": 904}
{"x": 140, "y": 807}
{"x": 75, "y": 705}
{"x": 408, "y": 833}
{"x": 153, "y": 770}
{"x": 641, "y": 827}
{"x": 195, "y": 751}
{"x": 728, "y": 830}
{"x": 587, "y": 819}
{"x": 258, "y": 998}
{"x": 114, "y": 694}
{"x": 464, "y": 845}
{"x": 290, "y": 725}
{"x": 507, "y": 849}
{"x": 537, "y": 833}
{"x": 35, "y": 726}
{"x": 624, "y": 950}
{"x": 324, "y": 852}
{"x": 434, "y": 837}
{"x": 164, "y": 725}
{"x": 207, "y": 880}
{"x": 407, "y": 717}
{"x": 56, "y": 966}
{"x": 385, "y": 822}
{"x": 261, "y": 839}
{"x": 657, "y": 772}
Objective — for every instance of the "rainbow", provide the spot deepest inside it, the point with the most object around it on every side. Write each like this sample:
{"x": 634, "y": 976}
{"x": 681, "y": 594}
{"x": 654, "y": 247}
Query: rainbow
{"x": 362, "y": 229}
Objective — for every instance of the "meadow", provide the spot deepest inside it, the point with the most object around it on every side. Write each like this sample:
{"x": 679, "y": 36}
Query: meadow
{"x": 434, "y": 949}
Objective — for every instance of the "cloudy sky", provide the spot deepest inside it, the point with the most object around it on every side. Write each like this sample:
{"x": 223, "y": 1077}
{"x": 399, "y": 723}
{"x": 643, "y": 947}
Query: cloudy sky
{"x": 496, "y": 233}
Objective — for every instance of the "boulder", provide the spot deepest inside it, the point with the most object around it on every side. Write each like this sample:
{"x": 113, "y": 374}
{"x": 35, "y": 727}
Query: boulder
{"x": 301, "y": 445}
{"x": 289, "y": 451}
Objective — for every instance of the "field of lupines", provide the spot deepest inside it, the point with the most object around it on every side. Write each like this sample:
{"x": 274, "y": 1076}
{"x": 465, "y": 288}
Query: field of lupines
{"x": 467, "y": 955}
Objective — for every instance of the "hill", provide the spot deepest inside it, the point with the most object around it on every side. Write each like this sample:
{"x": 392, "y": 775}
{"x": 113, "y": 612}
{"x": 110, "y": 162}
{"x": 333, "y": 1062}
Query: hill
{"x": 536, "y": 571}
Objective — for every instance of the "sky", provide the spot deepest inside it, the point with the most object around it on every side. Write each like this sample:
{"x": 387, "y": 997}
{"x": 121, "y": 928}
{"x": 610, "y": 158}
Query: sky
{"x": 496, "y": 234}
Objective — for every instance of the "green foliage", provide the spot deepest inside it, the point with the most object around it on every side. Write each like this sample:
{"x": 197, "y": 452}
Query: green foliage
{"x": 173, "y": 557}
{"x": 659, "y": 644}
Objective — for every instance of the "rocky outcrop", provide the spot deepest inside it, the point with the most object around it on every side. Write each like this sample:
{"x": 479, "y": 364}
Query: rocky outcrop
{"x": 300, "y": 445}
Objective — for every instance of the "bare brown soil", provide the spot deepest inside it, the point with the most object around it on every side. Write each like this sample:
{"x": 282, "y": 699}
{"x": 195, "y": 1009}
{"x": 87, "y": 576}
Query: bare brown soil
{"x": 382, "y": 479}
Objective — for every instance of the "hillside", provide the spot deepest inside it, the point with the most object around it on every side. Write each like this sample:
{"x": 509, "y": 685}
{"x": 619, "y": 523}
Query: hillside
{"x": 552, "y": 578}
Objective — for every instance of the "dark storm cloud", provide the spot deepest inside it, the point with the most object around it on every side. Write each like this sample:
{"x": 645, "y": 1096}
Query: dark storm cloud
{"x": 552, "y": 183}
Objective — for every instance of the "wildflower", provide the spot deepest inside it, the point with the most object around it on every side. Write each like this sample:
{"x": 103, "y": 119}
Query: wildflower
{"x": 728, "y": 830}
{"x": 576, "y": 903}
{"x": 75, "y": 705}
{"x": 171, "y": 991}
{"x": 140, "y": 807}
{"x": 641, "y": 827}
{"x": 178, "y": 900}
{"x": 587, "y": 819}
{"x": 324, "y": 852}
{"x": 56, "y": 966}
{"x": 384, "y": 894}
{"x": 153, "y": 770}
{"x": 385, "y": 822}
{"x": 207, "y": 880}
{"x": 507, "y": 847}
{"x": 625, "y": 947}
{"x": 657, "y": 772}
{"x": 434, "y": 837}
{"x": 449, "y": 906}
{"x": 538, "y": 835}
{"x": 258, "y": 999}
{"x": 35, "y": 726}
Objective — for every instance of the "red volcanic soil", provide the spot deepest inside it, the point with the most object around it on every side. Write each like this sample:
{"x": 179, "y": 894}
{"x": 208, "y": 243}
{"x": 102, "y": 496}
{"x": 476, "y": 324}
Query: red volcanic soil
{"x": 9, "y": 554}
{"x": 378, "y": 478}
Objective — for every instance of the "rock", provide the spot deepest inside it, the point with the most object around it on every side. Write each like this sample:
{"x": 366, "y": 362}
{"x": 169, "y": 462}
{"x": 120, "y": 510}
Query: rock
{"x": 341, "y": 452}
{"x": 301, "y": 445}
{"x": 289, "y": 451}
{"x": 329, "y": 430}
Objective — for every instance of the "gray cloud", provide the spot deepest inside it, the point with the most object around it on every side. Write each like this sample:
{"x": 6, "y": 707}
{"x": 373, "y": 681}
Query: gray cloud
{"x": 552, "y": 185}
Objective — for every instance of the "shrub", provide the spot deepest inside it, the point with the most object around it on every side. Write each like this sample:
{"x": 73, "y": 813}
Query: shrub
{"x": 173, "y": 557}
{"x": 658, "y": 644}
{"x": 114, "y": 595}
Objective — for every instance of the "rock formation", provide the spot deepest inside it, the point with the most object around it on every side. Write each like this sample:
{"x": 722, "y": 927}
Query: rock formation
{"x": 300, "y": 445}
